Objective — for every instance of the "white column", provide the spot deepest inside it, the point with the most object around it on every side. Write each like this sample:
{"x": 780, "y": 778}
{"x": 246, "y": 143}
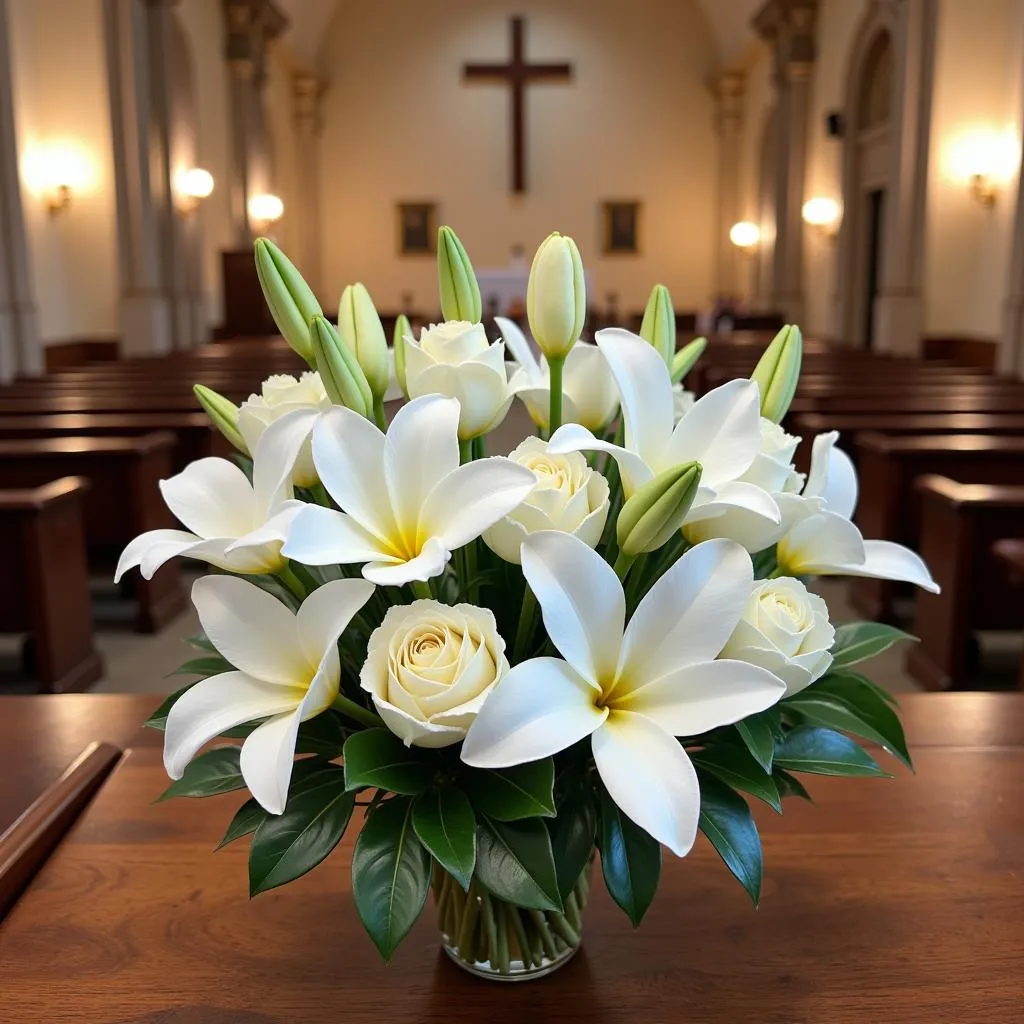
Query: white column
{"x": 20, "y": 351}
{"x": 730, "y": 89}
{"x": 306, "y": 92}
{"x": 1010, "y": 357}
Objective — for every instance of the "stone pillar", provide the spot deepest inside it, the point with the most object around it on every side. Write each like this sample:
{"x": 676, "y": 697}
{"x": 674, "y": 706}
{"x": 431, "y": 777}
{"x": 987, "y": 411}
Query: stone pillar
{"x": 788, "y": 26}
{"x": 1010, "y": 356}
{"x": 306, "y": 92}
{"x": 731, "y": 262}
{"x": 20, "y": 350}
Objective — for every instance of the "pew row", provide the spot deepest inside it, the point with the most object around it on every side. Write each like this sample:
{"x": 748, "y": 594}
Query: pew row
{"x": 1009, "y": 554}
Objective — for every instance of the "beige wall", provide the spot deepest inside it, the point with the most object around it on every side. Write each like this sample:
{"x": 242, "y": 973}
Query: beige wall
{"x": 57, "y": 51}
{"x": 285, "y": 153}
{"x": 979, "y": 62}
{"x": 638, "y": 122}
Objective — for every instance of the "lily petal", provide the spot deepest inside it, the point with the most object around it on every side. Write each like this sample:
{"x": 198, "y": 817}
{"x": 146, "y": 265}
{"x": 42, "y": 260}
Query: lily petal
{"x": 516, "y": 343}
{"x": 323, "y": 536}
{"x": 326, "y": 613}
{"x": 820, "y": 543}
{"x": 832, "y": 476}
{"x": 581, "y": 599}
{"x": 571, "y": 437}
{"x": 274, "y": 459}
{"x": 430, "y": 562}
{"x": 888, "y": 561}
{"x": 540, "y": 707}
{"x": 150, "y": 550}
{"x": 648, "y": 774}
{"x": 267, "y": 757}
{"x": 212, "y": 498}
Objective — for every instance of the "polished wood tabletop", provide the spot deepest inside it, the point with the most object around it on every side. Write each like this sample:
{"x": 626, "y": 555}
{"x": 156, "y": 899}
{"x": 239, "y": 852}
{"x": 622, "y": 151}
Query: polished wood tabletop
{"x": 895, "y": 900}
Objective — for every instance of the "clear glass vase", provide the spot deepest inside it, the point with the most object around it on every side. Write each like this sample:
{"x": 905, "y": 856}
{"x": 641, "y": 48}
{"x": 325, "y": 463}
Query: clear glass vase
{"x": 494, "y": 939}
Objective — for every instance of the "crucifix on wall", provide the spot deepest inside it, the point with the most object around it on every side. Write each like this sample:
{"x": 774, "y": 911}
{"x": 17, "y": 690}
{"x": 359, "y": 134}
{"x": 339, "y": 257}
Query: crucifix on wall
{"x": 517, "y": 73}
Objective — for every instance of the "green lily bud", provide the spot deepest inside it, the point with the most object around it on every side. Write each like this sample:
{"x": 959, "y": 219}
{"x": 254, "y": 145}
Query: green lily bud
{"x": 360, "y": 328}
{"x": 402, "y": 328}
{"x": 686, "y": 358}
{"x": 460, "y": 293}
{"x": 556, "y": 296}
{"x": 290, "y": 300}
{"x": 343, "y": 377}
{"x": 656, "y": 511}
{"x": 659, "y": 323}
{"x": 223, "y": 415}
{"x": 778, "y": 371}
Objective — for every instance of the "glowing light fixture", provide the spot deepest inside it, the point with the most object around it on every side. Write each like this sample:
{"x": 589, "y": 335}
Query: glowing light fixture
{"x": 745, "y": 235}
{"x": 822, "y": 213}
{"x": 55, "y": 170}
{"x": 984, "y": 158}
{"x": 192, "y": 185}
{"x": 265, "y": 209}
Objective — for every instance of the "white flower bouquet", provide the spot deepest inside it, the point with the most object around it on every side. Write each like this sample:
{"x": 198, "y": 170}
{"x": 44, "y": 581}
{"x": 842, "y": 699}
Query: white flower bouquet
{"x": 497, "y": 666}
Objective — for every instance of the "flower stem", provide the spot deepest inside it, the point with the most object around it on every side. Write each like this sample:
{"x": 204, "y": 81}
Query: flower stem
{"x": 623, "y": 564}
{"x": 356, "y": 712}
{"x": 465, "y": 452}
{"x": 378, "y": 414}
{"x": 480, "y": 447}
{"x": 524, "y": 631}
{"x": 555, "y": 368}
{"x": 287, "y": 576}
{"x": 421, "y": 589}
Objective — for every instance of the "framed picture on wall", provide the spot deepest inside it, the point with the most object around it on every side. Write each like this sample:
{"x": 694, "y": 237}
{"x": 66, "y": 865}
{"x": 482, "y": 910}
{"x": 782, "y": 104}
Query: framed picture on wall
{"x": 417, "y": 228}
{"x": 620, "y": 227}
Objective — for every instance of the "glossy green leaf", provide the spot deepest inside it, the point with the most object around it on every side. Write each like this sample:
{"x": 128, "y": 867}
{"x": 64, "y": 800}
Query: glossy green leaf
{"x": 248, "y": 818}
{"x": 858, "y": 641}
{"x": 726, "y": 820}
{"x": 377, "y": 758}
{"x": 514, "y": 861}
{"x": 446, "y": 825}
{"x": 572, "y": 839}
{"x": 315, "y": 817}
{"x": 509, "y": 794}
{"x": 737, "y": 767}
{"x": 630, "y": 860}
{"x": 825, "y": 752}
{"x": 756, "y": 733}
{"x": 204, "y": 667}
{"x": 216, "y": 771}
{"x": 390, "y": 874}
{"x": 789, "y": 785}
{"x": 158, "y": 720}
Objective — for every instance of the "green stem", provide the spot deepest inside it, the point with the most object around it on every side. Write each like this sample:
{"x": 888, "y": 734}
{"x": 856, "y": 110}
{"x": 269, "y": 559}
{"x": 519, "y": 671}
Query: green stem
{"x": 465, "y": 452}
{"x": 555, "y": 368}
{"x": 356, "y": 712}
{"x": 480, "y": 447}
{"x": 623, "y": 564}
{"x": 287, "y": 576}
{"x": 378, "y": 414}
{"x": 524, "y": 631}
{"x": 421, "y": 589}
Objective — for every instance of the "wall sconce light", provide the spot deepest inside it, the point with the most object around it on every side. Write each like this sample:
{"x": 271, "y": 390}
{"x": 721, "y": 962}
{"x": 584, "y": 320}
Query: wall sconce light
{"x": 54, "y": 171}
{"x": 984, "y": 190}
{"x": 822, "y": 214}
{"x": 192, "y": 186}
{"x": 983, "y": 159}
{"x": 264, "y": 210}
{"x": 745, "y": 235}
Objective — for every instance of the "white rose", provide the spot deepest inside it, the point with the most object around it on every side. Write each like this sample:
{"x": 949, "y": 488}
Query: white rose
{"x": 282, "y": 394}
{"x": 569, "y": 496}
{"x": 430, "y": 667}
{"x": 455, "y": 359}
{"x": 784, "y": 629}
{"x": 772, "y": 468}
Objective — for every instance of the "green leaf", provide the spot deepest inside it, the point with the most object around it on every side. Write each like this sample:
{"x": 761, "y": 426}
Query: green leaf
{"x": 825, "y": 752}
{"x": 853, "y": 709}
{"x": 315, "y": 817}
{"x": 858, "y": 641}
{"x": 322, "y": 736}
{"x": 446, "y": 825}
{"x": 216, "y": 771}
{"x": 202, "y": 642}
{"x": 158, "y": 720}
{"x": 515, "y": 862}
{"x": 509, "y": 794}
{"x": 756, "y": 733}
{"x": 377, "y": 758}
{"x": 738, "y": 768}
{"x": 572, "y": 840}
{"x": 390, "y": 874}
{"x": 630, "y": 860}
{"x": 790, "y": 785}
{"x": 726, "y": 820}
{"x": 209, "y": 665}
{"x": 248, "y": 818}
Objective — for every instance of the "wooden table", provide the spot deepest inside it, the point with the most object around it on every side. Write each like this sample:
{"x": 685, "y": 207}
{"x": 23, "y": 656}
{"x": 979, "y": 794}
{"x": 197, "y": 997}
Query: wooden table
{"x": 895, "y": 900}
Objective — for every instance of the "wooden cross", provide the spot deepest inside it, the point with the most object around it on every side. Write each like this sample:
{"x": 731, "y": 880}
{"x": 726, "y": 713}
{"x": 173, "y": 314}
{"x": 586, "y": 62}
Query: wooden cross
{"x": 518, "y": 74}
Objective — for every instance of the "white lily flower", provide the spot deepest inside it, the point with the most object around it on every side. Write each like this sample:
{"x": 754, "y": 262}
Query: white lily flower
{"x": 234, "y": 524}
{"x": 406, "y": 502}
{"x": 721, "y": 432}
{"x": 589, "y": 393}
{"x": 633, "y": 688}
{"x": 287, "y": 671}
{"x": 820, "y": 540}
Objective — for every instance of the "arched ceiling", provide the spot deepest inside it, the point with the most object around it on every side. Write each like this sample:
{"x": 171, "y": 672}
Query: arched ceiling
{"x": 729, "y": 21}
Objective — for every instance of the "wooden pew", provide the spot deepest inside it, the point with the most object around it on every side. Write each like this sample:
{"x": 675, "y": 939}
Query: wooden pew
{"x": 958, "y": 399}
{"x": 123, "y": 501}
{"x": 890, "y": 508}
{"x": 1010, "y": 555}
{"x": 46, "y": 583}
{"x": 959, "y": 525}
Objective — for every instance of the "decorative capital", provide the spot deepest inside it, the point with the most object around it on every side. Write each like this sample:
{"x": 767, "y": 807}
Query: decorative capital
{"x": 788, "y": 26}
{"x": 729, "y": 90}
{"x": 306, "y": 92}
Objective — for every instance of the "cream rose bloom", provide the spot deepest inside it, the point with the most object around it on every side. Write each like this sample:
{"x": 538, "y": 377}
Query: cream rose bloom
{"x": 455, "y": 359}
{"x": 772, "y": 468}
{"x": 569, "y": 496}
{"x": 280, "y": 395}
{"x": 430, "y": 667}
{"x": 784, "y": 629}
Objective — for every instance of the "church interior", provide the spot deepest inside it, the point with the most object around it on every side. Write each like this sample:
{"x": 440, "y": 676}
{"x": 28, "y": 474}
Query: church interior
{"x": 851, "y": 167}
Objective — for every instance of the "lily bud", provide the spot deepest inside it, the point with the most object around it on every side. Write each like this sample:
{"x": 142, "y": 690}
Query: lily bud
{"x": 402, "y": 328}
{"x": 223, "y": 415}
{"x": 659, "y": 324}
{"x": 290, "y": 300}
{"x": 342, "y": 376}
{"x": 657, "y": 509}
{"x": 686, "y": 358}
{"x": 556, "y": 296}
{"x": 778, "y": 371}
{"x": 360, "y": 328}
{"x": 460, "y": 293}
